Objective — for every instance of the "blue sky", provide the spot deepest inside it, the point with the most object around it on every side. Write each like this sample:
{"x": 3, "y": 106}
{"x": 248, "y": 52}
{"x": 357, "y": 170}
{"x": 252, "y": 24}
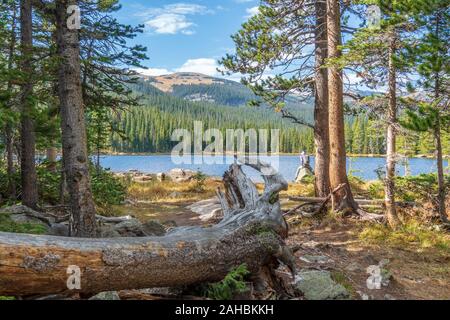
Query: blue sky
{"x": 186, "y": 35}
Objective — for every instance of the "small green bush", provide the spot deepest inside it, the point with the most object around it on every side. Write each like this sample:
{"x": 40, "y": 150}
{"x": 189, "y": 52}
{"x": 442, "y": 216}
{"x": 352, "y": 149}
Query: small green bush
{"x": 231, "y": 285}
{"x": 8, "y": 225}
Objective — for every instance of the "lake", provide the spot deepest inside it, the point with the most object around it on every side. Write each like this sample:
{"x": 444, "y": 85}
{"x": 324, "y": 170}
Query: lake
{"x": 363, "y": 167}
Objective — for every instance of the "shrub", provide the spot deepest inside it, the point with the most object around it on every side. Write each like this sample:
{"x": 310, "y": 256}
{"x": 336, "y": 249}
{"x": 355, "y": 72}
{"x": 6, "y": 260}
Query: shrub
{"x": 232, "y": 284}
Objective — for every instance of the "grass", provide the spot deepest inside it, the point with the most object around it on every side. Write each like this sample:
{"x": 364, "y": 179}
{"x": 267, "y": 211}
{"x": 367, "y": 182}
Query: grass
{"x": 411, "y": 233}
{"x": 340, "y": 278}
{"x": 168, "y": 191}
{"x": 8, "y": 225}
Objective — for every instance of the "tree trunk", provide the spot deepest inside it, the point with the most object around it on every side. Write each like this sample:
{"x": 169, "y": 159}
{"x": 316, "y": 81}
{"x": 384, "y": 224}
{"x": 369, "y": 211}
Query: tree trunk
{"x": 440, "y": 175}
{"x": 343, "y": 199}
{"x": 9, "y": 132}
{"x": 437, "y": 137}
{"x": 321, "y": 132}
{"x": 75, "y": 157}
{"x": 251, "y": 232}
{"x": 28, "y": 135}
{"x": 52, "y": 154}
{"x": 391, "y": 212}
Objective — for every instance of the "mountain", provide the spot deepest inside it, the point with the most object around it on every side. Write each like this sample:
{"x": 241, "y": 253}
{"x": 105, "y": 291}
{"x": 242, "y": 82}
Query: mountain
{"x": 199, "y": 87}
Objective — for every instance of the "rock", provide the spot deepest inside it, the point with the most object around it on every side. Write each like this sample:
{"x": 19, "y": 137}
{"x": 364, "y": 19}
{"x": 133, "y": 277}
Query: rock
{"x": 109, "y": 295}
{"x": 363, "y": 295}
{"x": 18, "y": 209}
{"x": 311, "y": 244}
{"x": 352, "y": 267}
{"x": 180, "y": 175}
{"x": 161, "y": 176}
{"x": 315, "y": 259}
{"x": 130, "y": 228}
{"x": 208, "y": 210}
{"x": 153, "y": 228}
{"x": 107, "y": 231}
{"x": 387, "y": 296}
{"x": 142, "y": 179}
{"x": 59, "y": 230}
{"x": 302, "y": 173}
{"x": 318, "y": 285}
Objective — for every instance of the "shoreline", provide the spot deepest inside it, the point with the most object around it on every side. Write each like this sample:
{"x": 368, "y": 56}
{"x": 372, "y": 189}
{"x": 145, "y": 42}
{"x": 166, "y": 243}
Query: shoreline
{"x": 143, "y": 154}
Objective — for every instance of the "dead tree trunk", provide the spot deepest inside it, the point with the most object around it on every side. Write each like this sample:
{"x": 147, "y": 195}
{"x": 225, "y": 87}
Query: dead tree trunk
{"x": 251, "y": 232}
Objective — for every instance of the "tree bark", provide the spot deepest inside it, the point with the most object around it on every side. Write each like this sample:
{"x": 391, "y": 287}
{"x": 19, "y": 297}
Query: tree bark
{"x": 75, "y": 156}
{"x": 251, "y": 232}
{"x": 9, "y": 133}
{"x": 321, "y": 131}
{"x": 440, "y": 175}
{"x": 52, "y": 154}
{"x": 391, "y": 211}
{"x": 343, "y": 199}
{"x": 437, "y": 137}
{"x": 28, "y": 135}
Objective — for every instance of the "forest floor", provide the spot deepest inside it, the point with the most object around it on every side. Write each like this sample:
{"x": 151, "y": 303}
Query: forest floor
{"x": 417, "y": 258}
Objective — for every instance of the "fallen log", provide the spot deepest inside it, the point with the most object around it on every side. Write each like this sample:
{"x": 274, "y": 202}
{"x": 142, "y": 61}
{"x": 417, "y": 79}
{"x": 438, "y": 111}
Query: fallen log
{"x": 251, "y": 232}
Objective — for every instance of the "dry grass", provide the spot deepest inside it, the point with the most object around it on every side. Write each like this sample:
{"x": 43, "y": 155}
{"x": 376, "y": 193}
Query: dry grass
{"x": 168, "y": 191}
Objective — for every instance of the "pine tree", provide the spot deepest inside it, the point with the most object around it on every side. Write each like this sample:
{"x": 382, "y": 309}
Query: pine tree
{"x": 431, "y": 58}
{"x": 282, "y": 34}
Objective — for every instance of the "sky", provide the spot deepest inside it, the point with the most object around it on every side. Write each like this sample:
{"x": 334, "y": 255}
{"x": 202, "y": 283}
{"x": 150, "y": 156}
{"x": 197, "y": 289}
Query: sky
{"x": 186, "y": 36}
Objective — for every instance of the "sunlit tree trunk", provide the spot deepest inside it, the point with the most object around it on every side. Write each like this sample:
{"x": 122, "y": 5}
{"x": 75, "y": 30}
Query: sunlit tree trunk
{"x": 321, "y": 132}
{"x": 343, "y": 199}
{"x": 391, "y": 212}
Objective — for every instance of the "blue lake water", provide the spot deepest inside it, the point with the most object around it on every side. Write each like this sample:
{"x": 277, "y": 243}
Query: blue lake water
{"x": 363, "y": 167}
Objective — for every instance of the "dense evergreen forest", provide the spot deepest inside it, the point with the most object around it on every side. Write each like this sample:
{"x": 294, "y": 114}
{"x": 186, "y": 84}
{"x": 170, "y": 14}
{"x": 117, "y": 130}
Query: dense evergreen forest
{"x": 148, "y": 128}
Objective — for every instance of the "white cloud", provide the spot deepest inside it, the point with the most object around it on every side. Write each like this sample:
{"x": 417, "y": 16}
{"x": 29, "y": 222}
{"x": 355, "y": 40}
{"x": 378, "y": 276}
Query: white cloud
{"x": 203, "y": 65}
{"x": 152, "y": 72}
{"x": 252, "y": 11}
{"x": 173, "y": 18}
{"x": 170, "y": 23}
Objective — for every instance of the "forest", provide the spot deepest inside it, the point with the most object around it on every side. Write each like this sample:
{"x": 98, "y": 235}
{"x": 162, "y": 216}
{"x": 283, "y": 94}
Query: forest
{"x": 70, "y": 94}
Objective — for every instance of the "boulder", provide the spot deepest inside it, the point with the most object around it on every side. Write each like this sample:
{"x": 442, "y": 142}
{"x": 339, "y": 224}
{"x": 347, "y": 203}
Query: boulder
{"x": 302, "y": 173}
{"x": 161, "y": 176}
{"x": 134, "y": 228}
{"x": 180, "y": 175}
{"x": 153, "y": 228}
{"x": 108, "y": 231}
{"x": 130, "y": 228}
{"x": 142, "y": 179}
{"x": 109, "y": 295}
{"x": 318, "y": 285}
{"x": 59, "y": 230}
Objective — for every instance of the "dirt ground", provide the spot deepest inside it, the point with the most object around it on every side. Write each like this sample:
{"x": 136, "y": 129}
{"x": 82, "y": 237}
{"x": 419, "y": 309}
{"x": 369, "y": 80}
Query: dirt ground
{"x": 416, "y": 273}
